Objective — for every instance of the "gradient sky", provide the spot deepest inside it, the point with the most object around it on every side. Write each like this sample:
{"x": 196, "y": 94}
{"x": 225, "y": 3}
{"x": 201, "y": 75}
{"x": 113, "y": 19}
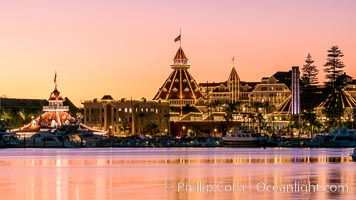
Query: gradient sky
{"x": 125, "y": 48}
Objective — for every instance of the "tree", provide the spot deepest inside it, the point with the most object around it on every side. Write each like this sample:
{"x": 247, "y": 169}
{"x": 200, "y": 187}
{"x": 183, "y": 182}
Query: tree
{"x": 229, "y": 110}
{"x": 256, "y": 114}
{"x": 7, "y": 119}
{"x": 238, "y": 106}
{"x": 310, "y": 72}
{"x": 187, "y": 109}
{"x": 334, "y": 68}
{"x": 251, "y": 119}
{"x": 334, "y": 74}
{"x": 151, "y": 128}
{"x": 309, "y": 79}
{"x": 141, "y": 116}
{"x": 166, "y": 118}
{"x": 268, "y": 107}
{"x": 24, "y": 117}
{"x": 79, "y": 115}
{"x": 313, "y": 124}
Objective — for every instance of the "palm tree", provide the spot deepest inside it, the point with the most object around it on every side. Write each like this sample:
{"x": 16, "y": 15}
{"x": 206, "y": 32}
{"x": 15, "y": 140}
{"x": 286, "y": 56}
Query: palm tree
{"x": 256, "y": 113}
{"x": 141, "y": 116}
{"x": 7, "y": 118}
{"x": 260, "y": 120}
{"x": 79, "y": 116}
{"x": 213, "y": 105}
{"x": 253, "y": 120}
{"x": 23, "y": 116}
{"x": 229, "y": 110}
{"x": 238, "y": 107}
{"x": 313, "y": 124}
{"x": 268, "y": 109}
{"x": 187, "y": 109}
{"x": 36, "y": 114}
{"x": 166, "y": 118}
{"x": 151, "y": 128}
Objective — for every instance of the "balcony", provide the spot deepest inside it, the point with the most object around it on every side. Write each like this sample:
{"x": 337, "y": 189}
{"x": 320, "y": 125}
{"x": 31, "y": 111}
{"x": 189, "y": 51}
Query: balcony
{"x": 56, "y": 108}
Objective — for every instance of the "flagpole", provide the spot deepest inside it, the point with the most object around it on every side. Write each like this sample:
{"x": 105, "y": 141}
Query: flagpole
{"x": 180, "y": 41}
{"x": 55, "y": 79}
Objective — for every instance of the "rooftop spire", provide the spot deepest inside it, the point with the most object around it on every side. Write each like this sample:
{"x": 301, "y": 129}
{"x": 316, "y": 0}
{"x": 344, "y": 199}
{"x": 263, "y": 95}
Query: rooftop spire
{"x": 55, "y": 80}
{"x": 180, "y": 58}
{"x": 55, "y": 95}
{"x": 233, "y": 62}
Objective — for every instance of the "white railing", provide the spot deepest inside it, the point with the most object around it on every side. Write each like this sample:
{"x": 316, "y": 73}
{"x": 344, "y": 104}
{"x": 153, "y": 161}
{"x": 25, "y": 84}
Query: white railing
{"x": 55, "y": 108}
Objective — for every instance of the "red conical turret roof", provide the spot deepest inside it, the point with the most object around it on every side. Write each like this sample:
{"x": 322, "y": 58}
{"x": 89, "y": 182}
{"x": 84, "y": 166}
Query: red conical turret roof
{"x": 55, "y": 95}
{"x": 180, "y": 54}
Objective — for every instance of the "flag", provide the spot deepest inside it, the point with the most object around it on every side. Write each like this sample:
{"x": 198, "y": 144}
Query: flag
{"x": 177, "y": 38}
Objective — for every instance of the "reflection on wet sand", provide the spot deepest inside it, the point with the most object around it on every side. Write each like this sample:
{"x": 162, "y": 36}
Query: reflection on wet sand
{"x": 177, "y": 174}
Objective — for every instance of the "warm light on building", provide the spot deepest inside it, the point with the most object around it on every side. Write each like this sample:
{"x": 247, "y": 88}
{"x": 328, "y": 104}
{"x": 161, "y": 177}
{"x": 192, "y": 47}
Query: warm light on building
{"x": 127, "y": 117}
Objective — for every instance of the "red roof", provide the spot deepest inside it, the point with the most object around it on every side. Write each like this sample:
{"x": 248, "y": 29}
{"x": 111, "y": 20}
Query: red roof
{"x": 45, "y": 120}
{"x": 55, "y": 95}
{"x": 61, "y": 118}
{"x": 180, "y": 84}
{"x": 180, "y": 55}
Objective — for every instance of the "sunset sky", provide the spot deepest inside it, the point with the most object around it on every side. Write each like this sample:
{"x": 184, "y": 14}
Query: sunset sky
{"x": 125, "y": 48}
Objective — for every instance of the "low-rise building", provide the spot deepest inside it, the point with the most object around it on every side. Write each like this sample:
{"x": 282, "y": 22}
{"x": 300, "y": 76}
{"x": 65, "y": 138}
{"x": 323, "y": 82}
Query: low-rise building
{"x": 127, "y": 117}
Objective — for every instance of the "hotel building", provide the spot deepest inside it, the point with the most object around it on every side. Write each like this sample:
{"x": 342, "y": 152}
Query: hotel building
{"x": 127, "y": 117}
{"x": 186, "y": 103}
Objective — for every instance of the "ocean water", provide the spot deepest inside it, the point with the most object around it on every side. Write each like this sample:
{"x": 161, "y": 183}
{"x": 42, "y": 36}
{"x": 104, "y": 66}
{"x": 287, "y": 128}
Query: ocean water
{"x": 177, "y": 173}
